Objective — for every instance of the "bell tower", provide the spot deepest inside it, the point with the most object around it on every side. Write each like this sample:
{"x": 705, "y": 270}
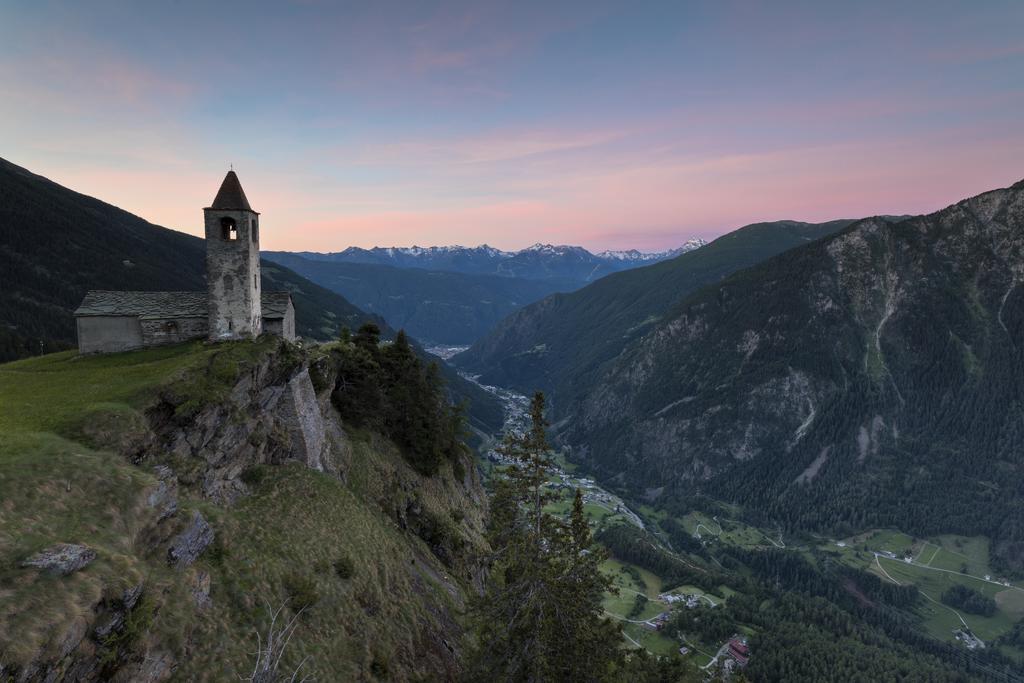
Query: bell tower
{"x": 232, "y": 264}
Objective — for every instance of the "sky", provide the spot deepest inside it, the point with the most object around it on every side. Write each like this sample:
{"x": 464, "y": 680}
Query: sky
{"x": 609, "y": 125}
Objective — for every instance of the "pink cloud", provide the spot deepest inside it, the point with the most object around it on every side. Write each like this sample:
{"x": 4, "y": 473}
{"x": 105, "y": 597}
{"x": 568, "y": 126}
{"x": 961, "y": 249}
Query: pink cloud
{"x": 497, "y": 146}
{"x": 658, "y": 205}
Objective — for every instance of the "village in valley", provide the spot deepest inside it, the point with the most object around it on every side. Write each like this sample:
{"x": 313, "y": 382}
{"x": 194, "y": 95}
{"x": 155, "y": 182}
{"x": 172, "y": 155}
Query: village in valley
{"x": 641, "y": 606}
{"x": 647, "y": 607}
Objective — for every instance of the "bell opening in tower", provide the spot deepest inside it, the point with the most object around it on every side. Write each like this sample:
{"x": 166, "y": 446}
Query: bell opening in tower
{"x": 228, "y": 229}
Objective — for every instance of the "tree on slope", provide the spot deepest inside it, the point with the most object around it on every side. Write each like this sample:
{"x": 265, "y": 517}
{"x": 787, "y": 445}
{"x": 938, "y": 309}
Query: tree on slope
{"x": 540, "y": 618}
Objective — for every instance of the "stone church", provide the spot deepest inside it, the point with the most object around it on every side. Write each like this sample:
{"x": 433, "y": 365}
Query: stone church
{"x": 232, "y": 307}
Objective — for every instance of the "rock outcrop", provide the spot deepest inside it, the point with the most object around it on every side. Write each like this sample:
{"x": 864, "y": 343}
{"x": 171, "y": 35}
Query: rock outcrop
{"x": 270, "y": 415}
{"x": 62, "y": 559}
{"x": 164, "y": 497}
{"x": 190, "y": 543}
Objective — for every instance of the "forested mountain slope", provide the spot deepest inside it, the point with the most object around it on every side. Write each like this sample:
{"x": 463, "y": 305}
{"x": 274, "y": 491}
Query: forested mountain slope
{"x": 437, "y": 307}
{"x": 559, "y": 344}
{"x": 869, "y": 379}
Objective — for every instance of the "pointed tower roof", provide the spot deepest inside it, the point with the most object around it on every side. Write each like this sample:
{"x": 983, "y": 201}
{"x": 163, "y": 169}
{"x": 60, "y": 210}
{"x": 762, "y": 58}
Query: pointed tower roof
{"x": 231, "y": 196}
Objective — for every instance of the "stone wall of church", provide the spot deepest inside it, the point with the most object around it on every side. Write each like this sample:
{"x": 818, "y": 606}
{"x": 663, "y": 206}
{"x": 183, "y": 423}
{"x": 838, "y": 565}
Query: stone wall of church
{"x": 281, "y": 327}
{"x": 288, "y": 324}
{"x": 160, "y": 331}
{"x": 108, "y": 333}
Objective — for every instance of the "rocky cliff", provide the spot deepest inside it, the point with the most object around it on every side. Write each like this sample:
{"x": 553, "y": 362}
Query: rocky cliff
{"x": 219, "y": 488}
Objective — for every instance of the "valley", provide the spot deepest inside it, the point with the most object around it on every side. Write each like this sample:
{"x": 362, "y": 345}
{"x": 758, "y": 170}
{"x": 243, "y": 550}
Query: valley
{"x": 454, "y": 295}
{"x": 930, "y": 565}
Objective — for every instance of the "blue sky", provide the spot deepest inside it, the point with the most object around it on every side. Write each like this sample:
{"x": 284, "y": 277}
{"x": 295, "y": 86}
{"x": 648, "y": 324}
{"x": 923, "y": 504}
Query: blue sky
{"x": 612, "y": 125}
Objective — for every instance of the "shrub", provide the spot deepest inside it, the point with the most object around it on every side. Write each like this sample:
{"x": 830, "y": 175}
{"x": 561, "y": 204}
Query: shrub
{"x": 638, "y": 606}
{"x": 969, "y": 600}
{"x": 379, "y": 666}
{"x": 253, "y": 475}
{"x": 217, "y": 553}
{"x": 344, "y": 567}
{"x": 120, "y": 642}
{"x": 301, "y": 590}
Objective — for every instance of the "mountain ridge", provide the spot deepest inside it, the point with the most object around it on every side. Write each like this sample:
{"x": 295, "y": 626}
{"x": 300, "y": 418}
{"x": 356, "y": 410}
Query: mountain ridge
{"x": 538, "y": 261}
{"x": 559, "y": 343}
{"x": 869, "y": 379}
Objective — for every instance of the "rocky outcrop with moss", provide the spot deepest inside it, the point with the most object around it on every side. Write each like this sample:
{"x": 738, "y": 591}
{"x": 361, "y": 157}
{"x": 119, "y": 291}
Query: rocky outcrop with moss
{"x": 221, "y": 487}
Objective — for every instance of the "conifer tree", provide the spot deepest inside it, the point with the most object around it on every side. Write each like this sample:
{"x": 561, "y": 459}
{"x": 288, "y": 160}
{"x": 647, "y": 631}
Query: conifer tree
{"x": 540, "y": 618}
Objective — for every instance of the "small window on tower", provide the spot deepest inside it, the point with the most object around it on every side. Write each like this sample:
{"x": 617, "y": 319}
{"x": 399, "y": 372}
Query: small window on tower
{"x": 254, "y": 230}
{"x": 228, "y": 229}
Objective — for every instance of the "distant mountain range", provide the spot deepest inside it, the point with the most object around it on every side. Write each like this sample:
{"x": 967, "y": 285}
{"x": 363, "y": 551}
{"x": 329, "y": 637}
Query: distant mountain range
{"x": 454, "y": 295}
{"x": 56, "y": 243}
{"x": 539, "y": 262}
{"x": 439, "y": 307}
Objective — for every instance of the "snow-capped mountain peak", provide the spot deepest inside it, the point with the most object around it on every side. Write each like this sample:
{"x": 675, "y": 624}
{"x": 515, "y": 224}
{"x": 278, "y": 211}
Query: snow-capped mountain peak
{"x": 646, "y": 257}
{"x": 538, "y": 261}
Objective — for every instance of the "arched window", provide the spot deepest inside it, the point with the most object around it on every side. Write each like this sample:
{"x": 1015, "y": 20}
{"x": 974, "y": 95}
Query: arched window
{"x": 228, "y": 229}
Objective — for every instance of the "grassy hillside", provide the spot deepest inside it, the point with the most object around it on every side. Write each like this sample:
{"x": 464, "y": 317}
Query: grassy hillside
{"x": 62, "y": 479}
{"x": 560, "y": 343}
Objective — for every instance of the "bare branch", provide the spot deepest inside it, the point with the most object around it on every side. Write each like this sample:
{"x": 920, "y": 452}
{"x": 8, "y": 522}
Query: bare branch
{"x": 269, "y": 655}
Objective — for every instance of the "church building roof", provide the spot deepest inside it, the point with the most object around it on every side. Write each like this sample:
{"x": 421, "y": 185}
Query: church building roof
{"x": 159, "y": 305}
{"x": 231, "y": 196}
{"x": 274, "y": 304}
{"x": 144, "y": 304}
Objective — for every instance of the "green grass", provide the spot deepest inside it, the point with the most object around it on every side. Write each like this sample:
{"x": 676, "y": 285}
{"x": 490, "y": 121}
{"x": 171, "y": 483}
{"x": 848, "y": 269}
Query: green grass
{"x": 57, "y": 392}
{"x": 299, "y": 523}
{"x": 948, "y": 553}
{"x": 652, "y": 513}
{"x": 954, "y": 552}
{"x": 595, "y": 513}
{"x": 295, "y": 527}
{"x": 890, "y": 540}
{"x": 52, "y": 393}
{"x": 56, "y": 491}
{"x": 619, "y": 607}
{"x": 563, "y": 464}
{"x": 653, "y": 641}
{"x": 940, "y": 620}
{"x": 651, "y": 582}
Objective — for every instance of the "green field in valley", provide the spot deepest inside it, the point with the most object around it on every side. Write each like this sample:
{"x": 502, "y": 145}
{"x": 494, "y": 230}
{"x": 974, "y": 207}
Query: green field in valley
{"x": 935, "y": 565}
